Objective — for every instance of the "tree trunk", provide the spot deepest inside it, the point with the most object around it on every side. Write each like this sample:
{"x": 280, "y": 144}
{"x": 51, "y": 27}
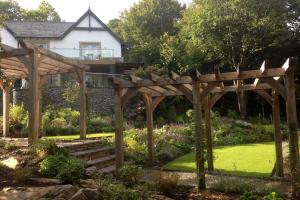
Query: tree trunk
{"x": 242, "y": 103}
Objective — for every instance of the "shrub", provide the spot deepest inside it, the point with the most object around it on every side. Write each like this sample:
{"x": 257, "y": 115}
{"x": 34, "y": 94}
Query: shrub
{"x": 272, "y": 196}
{"x": 22, "y": 175}
{"x": 130, "y": 174}
{"x": 58, "y": 122}
{"x": 71, "y": 171}
{"x": 249, "y": 196}
{"x": 41, "y": 148}
{"x": 233, "y": 114}
{"x": 52, "y": 164}
{"x": 168, "y": 153}
{"x": 18, "y": 120}
{"x": 166, "y": 183}
{"x": 119, "y": 191}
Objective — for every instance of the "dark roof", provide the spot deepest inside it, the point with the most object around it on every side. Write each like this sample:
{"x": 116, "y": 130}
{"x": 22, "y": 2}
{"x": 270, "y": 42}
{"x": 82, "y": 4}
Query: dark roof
{"x": 23, "y": 29}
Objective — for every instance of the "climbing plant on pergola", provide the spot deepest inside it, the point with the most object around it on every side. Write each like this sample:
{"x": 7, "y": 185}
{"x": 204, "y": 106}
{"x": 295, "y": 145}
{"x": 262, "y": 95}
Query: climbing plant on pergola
{"x": 203, "y": 91}
{"x": 37, "y": 64}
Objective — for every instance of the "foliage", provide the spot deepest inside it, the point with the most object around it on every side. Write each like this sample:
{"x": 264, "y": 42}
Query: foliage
{"x": 52, "y": 164}
{"x": 22, "y": 175}
{"x": 249, "y": 196}
{"x": 71, "y": 92}
{"x": 142, "y": 26}
{"x": 130, "y": 174}
{"x": 171, "y": 141}
{"x": 119, "y": 191}
{"x": 168, "y": 153}
{"x": 100, "y": 124}
{"x": 236, "y": 33}
{"x": 44, "y": 12}
{"x": 11, "y": 10}
{"x": 18, "y": 118}
{"x": 166, "y": 183}
{"x": 71, "y": 171}
{"x": 42, "y": 148}
{"x": 272, "y": 196}
{"x": 233, "y": 186}
{"x": 60, "y": 121}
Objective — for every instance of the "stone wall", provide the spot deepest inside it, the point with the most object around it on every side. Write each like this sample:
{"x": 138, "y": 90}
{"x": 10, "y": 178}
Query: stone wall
{"x": 100, "y": 100}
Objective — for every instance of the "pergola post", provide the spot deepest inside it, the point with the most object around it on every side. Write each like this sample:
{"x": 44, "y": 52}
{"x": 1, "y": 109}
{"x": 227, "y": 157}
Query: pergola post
{"x": 83, "y": 105}
{"x": 34, "y": 98}
{"x": 149, "y": 110}
{"x": 119, "y": 129}
{"x": 277, "y": 134}
{"x": 208, "y": 134}
{"x": 6, "y": 98}
{"x": 199, "y": 135}
{"x": 293, "y": 132}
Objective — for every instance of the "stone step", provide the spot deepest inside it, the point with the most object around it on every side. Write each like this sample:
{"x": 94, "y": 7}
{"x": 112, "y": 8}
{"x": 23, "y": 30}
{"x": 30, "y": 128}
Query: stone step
{"x": 93, "y": 153}
{"x": 81, "y": 146}
{"x": 101, "y": 163}
{"x": 108, "y": 169}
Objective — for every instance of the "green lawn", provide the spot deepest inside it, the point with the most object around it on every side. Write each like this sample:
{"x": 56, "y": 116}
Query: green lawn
{"x": 248, "y": 159}
{"x": 74, "y": 137}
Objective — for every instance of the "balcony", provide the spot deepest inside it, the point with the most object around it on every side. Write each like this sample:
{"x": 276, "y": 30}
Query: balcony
{"x": 89, "y": 56}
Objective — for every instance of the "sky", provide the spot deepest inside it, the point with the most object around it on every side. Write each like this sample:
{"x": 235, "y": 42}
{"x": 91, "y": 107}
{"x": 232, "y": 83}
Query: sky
{"x": 71, "y": 10}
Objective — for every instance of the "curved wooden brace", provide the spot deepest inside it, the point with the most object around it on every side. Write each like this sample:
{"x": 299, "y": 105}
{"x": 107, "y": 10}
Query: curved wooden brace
{"x": 187, "y": 92}
{"x": 156, "y": 102}
{"x": 265, "y": 96}
{"x": 276, "y": 86}
{"x": 215, "y": 98}
{"x": 129, "y": 93}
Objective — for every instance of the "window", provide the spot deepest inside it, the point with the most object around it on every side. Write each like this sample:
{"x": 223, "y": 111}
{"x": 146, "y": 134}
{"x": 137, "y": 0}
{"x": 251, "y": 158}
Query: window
{"x": 97, "y": 80}
{"x": 55, "y": 80}
{"x": 90, "y": 50}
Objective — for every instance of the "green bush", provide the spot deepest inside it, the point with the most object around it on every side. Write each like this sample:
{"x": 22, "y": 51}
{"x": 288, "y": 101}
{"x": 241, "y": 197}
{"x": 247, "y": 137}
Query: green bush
{"x": 130, "y": 174}
{"x": 168, "y": 153}
{"x": 22, "y": 175}
{"x": 249, "y": 196}
{"x": 272, "y": 196}
{"x": 71, "y": 171}
{"x": 52, "y": 164}
{"x": 166, "y": 183}
{"x": 41, "y": 148}
{"x": 119, "y": 191}
{"x": 18, "y": 120}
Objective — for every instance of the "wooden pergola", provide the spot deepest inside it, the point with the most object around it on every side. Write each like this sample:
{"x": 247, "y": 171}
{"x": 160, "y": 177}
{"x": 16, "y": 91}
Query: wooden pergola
{"x": 203, "y": 91}
{"x": 37, "y": 64}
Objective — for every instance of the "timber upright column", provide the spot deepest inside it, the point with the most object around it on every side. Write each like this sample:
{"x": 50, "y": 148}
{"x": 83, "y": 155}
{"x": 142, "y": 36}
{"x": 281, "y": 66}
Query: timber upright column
{"x": 277, "y": 134}
{"x": 34, "y": 100}
{"x": 83, "y": 106}
{"x": 119, "y": 129}
{"x": 208, "y": 133}
{"x": 149, "y": 110}
{"x": 292, "y": 125}
{"x": 199, "y": 136}
{"x": 6, "y": 97}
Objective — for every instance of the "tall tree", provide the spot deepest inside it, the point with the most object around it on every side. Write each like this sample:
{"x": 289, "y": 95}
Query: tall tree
{"x": 237, "y": 33}
{"x": 45, "y": 12}
{"x": 144, "y": 23}
{"x": 9, "y": 10}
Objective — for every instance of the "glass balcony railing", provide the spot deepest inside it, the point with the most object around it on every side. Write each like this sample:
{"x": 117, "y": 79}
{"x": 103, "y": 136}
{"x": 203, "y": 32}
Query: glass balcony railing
{"x": 85, "y": 54}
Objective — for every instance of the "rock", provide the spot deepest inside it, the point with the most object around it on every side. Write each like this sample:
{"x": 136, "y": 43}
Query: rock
{"x": 11, "y": 162}
{"x": 46, "y": 181}
{"x": 159, "y": 197}
{"x": 88, "y": 183}
{"x": 62, "y": 192}
{"x": 90, "y": 171}
{"x": 86, "y": 194}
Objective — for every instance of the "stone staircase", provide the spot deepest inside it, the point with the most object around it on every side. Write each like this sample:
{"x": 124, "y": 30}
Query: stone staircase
{"x": 97, "y": 158}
